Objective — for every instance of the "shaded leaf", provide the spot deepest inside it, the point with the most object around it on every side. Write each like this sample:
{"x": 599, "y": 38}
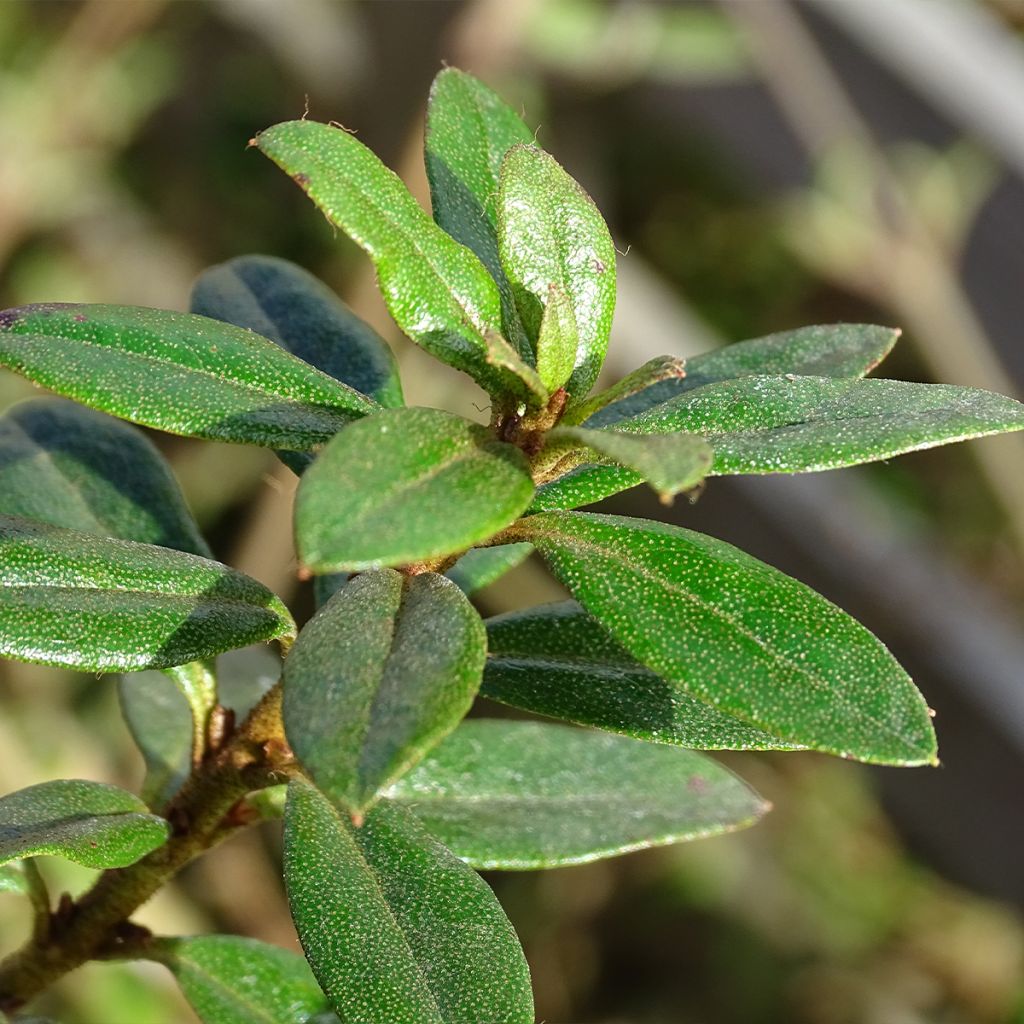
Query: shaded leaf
{"x": 739, "y": 635}
{"x": 640, "y": 382}
{"x": 92, "y": 824}
{"x": 481, "y": 567}
{"x": 385, "y": 670}
{"x": 397, "y": 928}
{"x": 523, "y": 795}
{"x": 556, "y": 660}
{"x": 178, "y": 372}
{"x": 406, "y": 485}
{"x": 95, "y": 604}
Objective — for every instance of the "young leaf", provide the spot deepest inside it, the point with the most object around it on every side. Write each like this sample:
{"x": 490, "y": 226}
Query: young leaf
{"x": 12, "y": 879}
{"x": 405, "y": 485}
{"x": 558, "y": 340}
{"x": 288, "y": 305}
{"x": 231, "y": 980}
{"x": 550, "y": 234}
{"x": 178, "y": 372}
{"x": 832, "y": 350}
{"x": 396, "y": 927}
{"x": 521, "y": 795}
{"x": 469, "y": 131}
{"x": 95, "y": 604}
{"x": 68, "y": 466}
{"x": 92, "y": 824}
{"x": 437, "y": 290}
{"x": 739, "y": 635}
{"x": 502, "y": 355}
{"x": 670, "y": 463}
{"x": 385, "y": 670}
{"x": 481, "y": 567}
{"x": 556, "y": 660}
{"x": 639, "y": 386}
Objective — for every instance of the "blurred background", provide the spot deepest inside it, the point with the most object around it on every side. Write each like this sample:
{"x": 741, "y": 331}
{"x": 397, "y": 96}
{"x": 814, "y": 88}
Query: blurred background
{"x": 763, "y": 164}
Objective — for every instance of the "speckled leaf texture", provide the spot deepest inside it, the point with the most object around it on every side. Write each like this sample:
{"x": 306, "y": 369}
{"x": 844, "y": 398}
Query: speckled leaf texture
{"x": 291, "y": 307}
{"x": 92, "y": 824}
{"x": 469, "y": 131}
{"x": 231, "y": 980}
{"x": 523, "y": 795}
{"x": 556, "y": 660}
{"x": 739, "y": 635}
{"x": 481, "y": 567}
{"x": 99, "y": 605}
{"x": 639, "y": 382}
{"x": 550, "y": 234}
{"x": 405, "y": 485}
{"x": 439, "y": 293}
{"x": 395, "y": 926}
{"x": 384, "y": 671}
{"x": 825, "y": 350}
{"x": 68, "y": 466}
{"x": 558, "y": 340}
{"x": 792, "y": 424}
{"x": 178, "y": 372}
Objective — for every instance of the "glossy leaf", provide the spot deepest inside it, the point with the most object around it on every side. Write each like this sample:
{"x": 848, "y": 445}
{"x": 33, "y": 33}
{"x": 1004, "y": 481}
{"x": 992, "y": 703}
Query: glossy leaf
{"x": 556, "y": 660}
{"x": 68, "y": 466}
{"x": 231, "y": 980}
{"x": 558, "y": 340}
{"x": 670, "y": 463}
{"x": 469, "y": 131}
{"x": 95, "y": 604}
{"x": 287, "y": 304}
{"x": 439, "y": 293}
{"x": 739, "y": 635}
{"x": 532, "y": 795}
{"x": 177, "y": 372}
{"x": 550, "y": 234}
{"x": 405, "y": 485}
{"x": 827, "y": 350}
{"x": 481, "y": 567}
{"x": 640, "y": 382}
{"x": 385, "y": 670}
{"x": 395, "y": 926}
{"x": 12, "y": 879}
{"x": 92, "y": 824}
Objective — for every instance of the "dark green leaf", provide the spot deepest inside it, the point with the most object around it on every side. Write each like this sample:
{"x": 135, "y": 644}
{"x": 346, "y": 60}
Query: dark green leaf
{"x": 395, "y": 926}
{"x": 502, "y": 355}
{"x": 832, "y": 350}
{"x": 437, "y": 290}
{"x": 640, "y": 381}
{"x": 68, "y": 466}
{"x": 405, "y": 485}
{"x": 550, "y": 234}
{"x": 556, "y": 660}
{"x": 94, "y": 604}
{"x": 385, "y": 670}
{"x": 739, "y": 635}
{"x": 523, "y": 795}
{"x": 469, "y": 131}
{"x": 231, "y": 980}
{"x": 290, "y": 306}
{"x": 481, "y": 567}
{"x": 178, "y": 372}
{"x": 93, "y": 824}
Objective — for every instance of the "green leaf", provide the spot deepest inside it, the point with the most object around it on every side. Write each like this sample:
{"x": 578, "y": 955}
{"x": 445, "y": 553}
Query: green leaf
{"x": 739, "y": 635}
{"x": 287, "y": 304}
{"x": 437, "y": 290}
{"x": 405, "y": 485}
{"x": 68, "y": 466}
{"x": 12, "y": 879}
{"x": 522, "y": 795}
{"x": 178, "y": 372}
{"x": 670, "y": 463}
{"x": 556, "y": 660}
{"x": 231, "y": 980}
{"x": 385, "y": 670}
{"x": 802, "y": 424}
{"x": 481, "y": 567}
{"x": 832, "y": 350}
{"x": 92, "y": 824}
{"x": 395, "y": 926}
{"x": 550, "y": 234}
{"x": 639, "y": 385}
{"x": 469, "y": 131}
{"x": 558, "y": 340}
{"x": 502, "y": 355}
{"x": 95, "y": 604}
